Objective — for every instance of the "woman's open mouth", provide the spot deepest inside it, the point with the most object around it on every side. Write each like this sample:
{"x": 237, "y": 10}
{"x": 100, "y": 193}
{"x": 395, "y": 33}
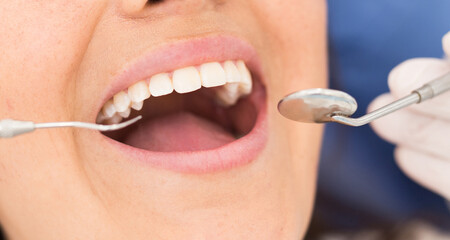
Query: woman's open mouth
{"x": 204, "y": 113}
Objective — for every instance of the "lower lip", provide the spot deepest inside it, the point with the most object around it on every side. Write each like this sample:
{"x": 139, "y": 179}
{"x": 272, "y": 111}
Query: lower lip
{"x": 235, "y": 154}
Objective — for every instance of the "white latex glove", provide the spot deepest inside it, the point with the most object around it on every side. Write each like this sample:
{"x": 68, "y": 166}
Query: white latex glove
{"x": 422, "y": 131}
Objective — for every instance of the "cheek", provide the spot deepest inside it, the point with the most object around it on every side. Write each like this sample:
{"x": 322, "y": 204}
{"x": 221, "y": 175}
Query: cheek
{"x": 41, "y": 45}
{"x": 297, "y": 48}
{"x": 297, "y": 41}
{"x": 295, "y": 35}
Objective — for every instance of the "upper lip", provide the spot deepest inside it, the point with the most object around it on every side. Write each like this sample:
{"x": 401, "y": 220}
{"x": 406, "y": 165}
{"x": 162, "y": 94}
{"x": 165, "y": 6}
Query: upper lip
{"x": 183, "y": 53}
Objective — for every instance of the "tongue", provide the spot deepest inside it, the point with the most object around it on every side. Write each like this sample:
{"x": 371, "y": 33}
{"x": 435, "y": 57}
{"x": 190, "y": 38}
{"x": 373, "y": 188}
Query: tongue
{"x": 177, "y": 132}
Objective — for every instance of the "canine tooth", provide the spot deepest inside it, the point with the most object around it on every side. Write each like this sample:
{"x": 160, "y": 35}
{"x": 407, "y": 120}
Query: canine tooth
{"x": 245, "y": 86}
{"x": 126, "y": 113}
{"x": 137, "y": 105}
{"x": 114, "y": 119}
{"x": 232, "y": 73}
{"x": 108, "y": 109}
{"x": 160, "y": 84}
{"x": 186, "y": 80}
{"x": 121, "y": 101}
{"x": 228, "y": 95}
{"x": 212, "y": 75}
{"x": 138, "y": 92}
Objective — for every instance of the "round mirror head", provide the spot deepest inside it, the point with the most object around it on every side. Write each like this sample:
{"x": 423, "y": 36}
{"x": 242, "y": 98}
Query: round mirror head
{"x": 316, "y": 105}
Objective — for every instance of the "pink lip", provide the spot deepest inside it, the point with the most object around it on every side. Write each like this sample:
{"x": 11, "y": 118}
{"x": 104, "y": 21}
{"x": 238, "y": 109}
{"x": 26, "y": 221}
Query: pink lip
{"x": 190, "y": 53}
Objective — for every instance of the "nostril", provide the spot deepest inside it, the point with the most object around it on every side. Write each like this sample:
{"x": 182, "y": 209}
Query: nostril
{"x": 150, "y": 8}
{"x": 154, "y": 1}
{"x": 135, "y": 6}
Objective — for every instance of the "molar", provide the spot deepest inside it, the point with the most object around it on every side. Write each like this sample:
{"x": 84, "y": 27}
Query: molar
{"x": 116, "y": 118}
{"x": 125, "y": 113}
{"x": 108, "y": 109}
{"x": 121, "y": 101}
{"x": 101, "y": 117}
{"x": 228, "y": 95}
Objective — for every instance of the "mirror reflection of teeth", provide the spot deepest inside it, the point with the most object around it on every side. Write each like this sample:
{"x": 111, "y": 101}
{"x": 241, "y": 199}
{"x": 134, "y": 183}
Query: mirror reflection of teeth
{"x": 231, "y": 79}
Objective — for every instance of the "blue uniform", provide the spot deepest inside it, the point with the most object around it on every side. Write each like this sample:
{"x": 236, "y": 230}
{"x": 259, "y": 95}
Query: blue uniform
{"x": 359, "y": 182}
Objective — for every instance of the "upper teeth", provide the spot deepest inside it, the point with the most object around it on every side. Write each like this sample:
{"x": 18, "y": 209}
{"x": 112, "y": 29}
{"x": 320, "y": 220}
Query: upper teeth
{"x": 233, "y": 79}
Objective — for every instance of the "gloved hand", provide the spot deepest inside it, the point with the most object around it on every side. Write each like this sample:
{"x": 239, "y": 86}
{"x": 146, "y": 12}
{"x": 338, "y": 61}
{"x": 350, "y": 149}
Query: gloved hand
{"x": 422, "y": 131}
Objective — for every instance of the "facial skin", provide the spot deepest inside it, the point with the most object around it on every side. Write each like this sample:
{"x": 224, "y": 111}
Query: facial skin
{"x": 57, "y": 184}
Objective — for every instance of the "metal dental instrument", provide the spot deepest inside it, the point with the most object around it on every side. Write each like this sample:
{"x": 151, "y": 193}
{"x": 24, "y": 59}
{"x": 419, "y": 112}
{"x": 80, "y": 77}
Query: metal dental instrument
{"x": 325, "y": 105}
{"x": 10, "y": 128}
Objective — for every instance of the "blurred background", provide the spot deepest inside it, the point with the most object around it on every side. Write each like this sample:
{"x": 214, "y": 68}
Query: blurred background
{"x": 360, "y": 186}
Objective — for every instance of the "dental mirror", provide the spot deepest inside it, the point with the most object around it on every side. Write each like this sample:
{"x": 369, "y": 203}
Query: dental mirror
{"x": 316, "y": 105}
{"x": 325, "y": 105}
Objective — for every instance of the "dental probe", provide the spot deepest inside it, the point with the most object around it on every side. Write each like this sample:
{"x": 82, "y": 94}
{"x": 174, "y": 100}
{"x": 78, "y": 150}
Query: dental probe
{"x": 325, "y": 105}
{"x": 10, "y": 128}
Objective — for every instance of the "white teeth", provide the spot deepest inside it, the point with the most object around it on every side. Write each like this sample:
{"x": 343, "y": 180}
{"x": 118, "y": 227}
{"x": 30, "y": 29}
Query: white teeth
{"x": 232, "y": 73}
{"x": 108, "y": 109}
{"x": 138, "y": 92}
{"x": 228, "y": 95}
{"x": 231, "y": 79}
{"x": 160, "y": 85}
{"x": 186, "y": 80}
{"x": 137, "y": 105}
{"x": 212, "y": 75}
{"x": 100, "y": 117}
{"x": 126, "y": 113}
{"x": 245, "y": 85}
{"x": 114, "y": 119}
{"x": 121, "y": 101}
{"x": 239, "y": 83}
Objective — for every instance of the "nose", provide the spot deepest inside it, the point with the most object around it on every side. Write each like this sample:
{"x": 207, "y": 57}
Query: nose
{"x": 133, "y": 7}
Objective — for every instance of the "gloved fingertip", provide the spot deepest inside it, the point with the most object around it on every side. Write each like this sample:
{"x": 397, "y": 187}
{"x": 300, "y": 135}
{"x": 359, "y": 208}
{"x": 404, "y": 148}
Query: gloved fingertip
{"x": 414, "y": 73}
{"x": 446, "y": 44}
